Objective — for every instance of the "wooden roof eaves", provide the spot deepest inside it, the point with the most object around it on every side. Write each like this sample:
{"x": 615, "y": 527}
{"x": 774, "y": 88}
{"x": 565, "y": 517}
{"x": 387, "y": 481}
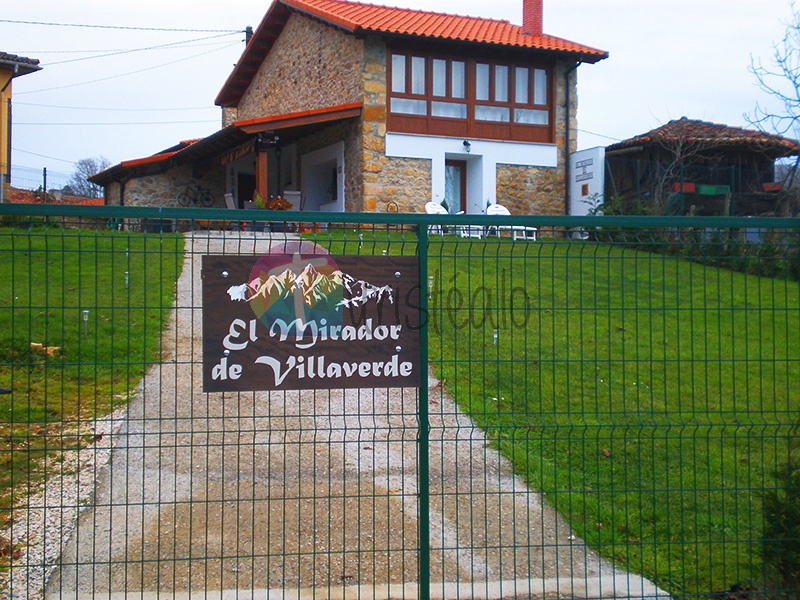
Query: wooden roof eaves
{"x": 248, "y": 64}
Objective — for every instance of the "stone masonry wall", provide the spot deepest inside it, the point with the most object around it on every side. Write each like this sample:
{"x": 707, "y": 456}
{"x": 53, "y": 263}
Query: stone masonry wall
{"x": 311, "y": 65}
{"x": 112, "y": 194}
{"x": 402, "y": 183}
{"x": 229, "y": 115}
{"x": 163, "y": 189}
{"x": 540, "y": 191}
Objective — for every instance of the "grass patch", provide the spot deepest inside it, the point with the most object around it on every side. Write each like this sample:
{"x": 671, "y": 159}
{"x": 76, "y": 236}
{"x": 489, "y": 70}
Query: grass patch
{"x": 62, "y": 368}
{"x": 648, "y": 396}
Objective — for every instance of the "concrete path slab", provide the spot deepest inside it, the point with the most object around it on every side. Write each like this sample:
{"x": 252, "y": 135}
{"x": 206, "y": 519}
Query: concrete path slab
{"x": 308, "y": 494}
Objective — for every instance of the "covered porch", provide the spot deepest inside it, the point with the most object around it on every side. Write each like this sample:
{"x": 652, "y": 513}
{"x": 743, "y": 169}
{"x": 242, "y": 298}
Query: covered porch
{"x": 301, "y": 157}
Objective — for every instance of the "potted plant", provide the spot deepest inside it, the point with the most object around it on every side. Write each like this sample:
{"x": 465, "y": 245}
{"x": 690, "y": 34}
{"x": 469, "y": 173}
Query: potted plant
{"x": 274, "y": 203}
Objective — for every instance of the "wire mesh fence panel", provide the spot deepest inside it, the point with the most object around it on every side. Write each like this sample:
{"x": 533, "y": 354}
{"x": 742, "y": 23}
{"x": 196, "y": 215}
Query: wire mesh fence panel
{"x": 612, "y": 413}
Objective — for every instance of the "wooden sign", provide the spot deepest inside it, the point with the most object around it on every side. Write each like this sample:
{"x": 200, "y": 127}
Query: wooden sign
{"x": 293, "y": 322}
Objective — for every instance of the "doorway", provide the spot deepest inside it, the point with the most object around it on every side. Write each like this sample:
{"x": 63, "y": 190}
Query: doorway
{"x": 455, "y": 185}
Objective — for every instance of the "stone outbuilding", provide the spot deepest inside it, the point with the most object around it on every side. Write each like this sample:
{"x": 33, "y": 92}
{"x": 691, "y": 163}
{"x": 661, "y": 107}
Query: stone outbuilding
{"x": 347, "y": 107}
{"x": 688, "y": 166}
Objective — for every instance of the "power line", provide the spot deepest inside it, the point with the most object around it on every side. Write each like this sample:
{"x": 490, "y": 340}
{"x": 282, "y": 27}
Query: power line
{"x": 129, "y": 51}
{"x": 72, "y": 162}
{"x": 608, "y": 137}
{"x": 128, "y": 28}
{"x": 86, "y": 124}
{"x": 69, "y": 85}
{"x": 116, "y": 109}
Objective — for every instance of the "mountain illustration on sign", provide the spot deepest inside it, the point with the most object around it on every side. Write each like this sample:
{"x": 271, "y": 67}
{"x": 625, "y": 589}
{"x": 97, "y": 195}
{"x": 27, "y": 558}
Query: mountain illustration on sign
{"x": 309, "y": 294}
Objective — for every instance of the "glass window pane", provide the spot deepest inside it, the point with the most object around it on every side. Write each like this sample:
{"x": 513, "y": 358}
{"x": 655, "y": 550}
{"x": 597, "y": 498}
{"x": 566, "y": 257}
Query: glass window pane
{"x": 450, "y": 110}
{"x": 521, "y": 85}
{"x": 481, "y": 81}
{"x": 531, "y": 117}
{"x": 417, "y": 75}
{"x": 539, "y": 86}
{"x": 439, "y": 77}
{"x": 500, "y": 83}
{"x": 459, "y": 72}
{"x": 492, "y": 113}
{"x": 452, "y": 187}
{"x": 398, "y": 73}
{"x": 409, "y": 107}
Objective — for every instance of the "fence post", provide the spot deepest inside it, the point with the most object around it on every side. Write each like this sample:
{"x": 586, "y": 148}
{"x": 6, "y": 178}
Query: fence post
{"x": 423, "y": 440}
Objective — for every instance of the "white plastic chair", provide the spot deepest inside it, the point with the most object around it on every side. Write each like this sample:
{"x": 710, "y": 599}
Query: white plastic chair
{"x": 525, "y": 232}
{"x": 434, "y": 208}
{"x": 231, "y": 204}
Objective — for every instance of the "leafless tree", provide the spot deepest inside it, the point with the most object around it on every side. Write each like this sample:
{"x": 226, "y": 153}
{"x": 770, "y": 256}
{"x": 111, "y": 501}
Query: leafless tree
{"x": 780, "y": 79}
{"x": 85, "y": 168}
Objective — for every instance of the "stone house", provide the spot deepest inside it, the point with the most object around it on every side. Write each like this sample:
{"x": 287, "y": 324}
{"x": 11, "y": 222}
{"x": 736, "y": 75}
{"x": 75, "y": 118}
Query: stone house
{"x": 344, "y": 107}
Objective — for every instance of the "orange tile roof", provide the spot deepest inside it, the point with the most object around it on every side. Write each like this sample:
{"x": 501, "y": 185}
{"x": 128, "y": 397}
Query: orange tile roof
{"x": 355, "y": 16}
{"x": 361, "y": 18}
{"x": 20, "y": 196}
{"x": 318, "y": 115}
{"x": 155, "y": 158}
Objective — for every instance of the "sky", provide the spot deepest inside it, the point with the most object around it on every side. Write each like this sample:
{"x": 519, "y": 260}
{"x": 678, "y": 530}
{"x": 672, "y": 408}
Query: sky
{"x": 133, "y": 93}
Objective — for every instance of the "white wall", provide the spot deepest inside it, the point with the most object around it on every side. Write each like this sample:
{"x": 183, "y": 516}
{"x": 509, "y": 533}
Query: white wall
{"x": 587, "y": 169}
{"x": 316, "y": 167}
{"x": 482, "y": 160}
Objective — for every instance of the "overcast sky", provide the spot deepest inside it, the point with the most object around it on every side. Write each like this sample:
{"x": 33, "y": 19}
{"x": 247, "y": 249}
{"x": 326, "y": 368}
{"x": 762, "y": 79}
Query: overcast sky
{"x": 668, "y": 58}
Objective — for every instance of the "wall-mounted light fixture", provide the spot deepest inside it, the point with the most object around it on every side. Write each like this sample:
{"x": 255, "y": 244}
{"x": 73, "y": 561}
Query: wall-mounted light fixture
{"x": 467, "y": 146}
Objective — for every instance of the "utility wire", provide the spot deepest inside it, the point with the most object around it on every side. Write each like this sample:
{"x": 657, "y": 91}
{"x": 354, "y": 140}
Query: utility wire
{"x": 127, "y": 28}
{"x": 69, "y": 85}
{"x": 608, "y": 137}
{"x": 160, "y": 47}
{"x": 116, "y": 109}
{"x": 117, "y": 124}
{"x": 72, "y": 162}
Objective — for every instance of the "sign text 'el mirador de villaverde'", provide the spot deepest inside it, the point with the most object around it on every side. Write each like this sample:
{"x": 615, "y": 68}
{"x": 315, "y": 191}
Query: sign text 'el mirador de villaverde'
{"x": 291, "y": 322}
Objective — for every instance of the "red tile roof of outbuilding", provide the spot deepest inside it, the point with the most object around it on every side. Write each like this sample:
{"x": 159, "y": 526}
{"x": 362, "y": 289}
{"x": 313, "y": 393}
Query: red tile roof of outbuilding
{"x": 711, "y": 135}
{"x": 362, "y": 18}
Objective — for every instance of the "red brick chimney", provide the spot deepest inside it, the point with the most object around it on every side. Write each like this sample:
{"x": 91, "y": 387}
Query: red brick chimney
{"x": 532, "y": 17}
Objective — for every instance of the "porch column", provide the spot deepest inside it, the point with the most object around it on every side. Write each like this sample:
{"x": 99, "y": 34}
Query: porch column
{"x": 261, "y": 173}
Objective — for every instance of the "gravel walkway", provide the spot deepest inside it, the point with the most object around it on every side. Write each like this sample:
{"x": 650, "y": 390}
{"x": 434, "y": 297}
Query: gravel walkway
{"x": 304, "y": 494}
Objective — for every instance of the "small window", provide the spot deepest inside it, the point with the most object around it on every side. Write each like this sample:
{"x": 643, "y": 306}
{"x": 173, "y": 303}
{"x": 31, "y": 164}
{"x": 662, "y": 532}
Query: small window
{"x": 521, "y": 85}
{"x": 528, "y": 116}
{"x": 417, "y": 75}
{"x": 398, "y": 73}
{"x": 439, "y": 77}
{"x": 459, "y": 71}
{"x": 409, "y": 107}
{"x": 481, "y": 81}
{"x": 492, "y": 113}
{"x": 450, "y": 110}
{"x": 539, "y": 86}
{"x": 501, "y": 83}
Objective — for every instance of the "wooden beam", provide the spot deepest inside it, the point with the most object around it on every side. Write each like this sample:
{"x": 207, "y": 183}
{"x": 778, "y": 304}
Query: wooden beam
{"x": 262, "y": 173}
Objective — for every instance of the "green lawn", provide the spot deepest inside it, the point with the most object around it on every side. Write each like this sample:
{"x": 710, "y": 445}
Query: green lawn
{"x": 649, "y": 397}
{"x": 48, "y": 277}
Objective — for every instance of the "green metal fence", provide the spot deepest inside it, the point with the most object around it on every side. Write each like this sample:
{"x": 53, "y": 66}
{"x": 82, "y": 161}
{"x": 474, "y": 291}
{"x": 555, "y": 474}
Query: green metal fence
{"x": 612, "y": 409}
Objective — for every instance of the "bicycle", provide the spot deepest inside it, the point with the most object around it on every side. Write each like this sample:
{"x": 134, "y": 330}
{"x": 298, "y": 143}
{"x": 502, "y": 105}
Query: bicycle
{"x": 196, "y": 195}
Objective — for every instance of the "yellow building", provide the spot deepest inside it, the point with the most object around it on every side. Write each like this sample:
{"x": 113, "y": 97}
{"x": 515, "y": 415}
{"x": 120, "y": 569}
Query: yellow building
{"x": 11, "y": 66}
